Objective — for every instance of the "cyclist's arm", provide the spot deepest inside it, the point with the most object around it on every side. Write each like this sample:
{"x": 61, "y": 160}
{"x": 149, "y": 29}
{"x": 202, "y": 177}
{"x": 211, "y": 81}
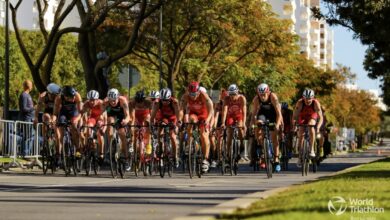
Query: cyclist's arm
{"x": 317, "y": 108}
{"x": 154, "y": 112}
{"x": 125, "y": 106}
{"x": 183, "y": 106}
{"x": 176, "y": 109}
{"x": 57, "y": 107}
{"x": 276, "y": 104}
{"x": 209, "y": 105}
{"x": 85, "y": 107}
{"x": 79, "y": 103}
{"x": 297, "y": 110}
{"x": 39, "y": 106}
{"x": 244, "y": 109}
{"x": 224, "y": 110}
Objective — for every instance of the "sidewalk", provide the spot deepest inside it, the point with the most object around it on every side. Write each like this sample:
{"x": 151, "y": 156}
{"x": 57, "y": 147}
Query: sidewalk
{"x": 370, "y": 155}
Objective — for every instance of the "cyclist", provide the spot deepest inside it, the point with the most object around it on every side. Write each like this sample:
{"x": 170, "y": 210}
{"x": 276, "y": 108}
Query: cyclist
{"x": 167, "y": 111}
{"x": 117, "y": 109}
{"x": 46, "y": 102}
{"x": 234, "y": 112}
{"x": 154, "y": 96}
{"x": 266, "y": 104}
{"x": 140, "y": 109}
{"x": 216, "y": 139}
{"x": 287, "y": 127}
{"x": 308, "y": 111}
{"x": 95, "y": 109}
{"x": 199, "y": 108}
{"x": 67, "y": 107}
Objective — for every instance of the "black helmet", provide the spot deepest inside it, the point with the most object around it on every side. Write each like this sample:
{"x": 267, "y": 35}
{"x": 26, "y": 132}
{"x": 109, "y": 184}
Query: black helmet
{"x": 140, "y": 96}
{"x": 68, "y": 91}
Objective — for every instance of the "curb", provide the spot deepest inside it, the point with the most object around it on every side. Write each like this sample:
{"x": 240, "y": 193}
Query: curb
{"x": 244, "y": 202}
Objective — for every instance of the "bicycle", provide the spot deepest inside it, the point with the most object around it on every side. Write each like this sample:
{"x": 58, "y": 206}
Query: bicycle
{"x": 220, "y": 137}
{"x": 69, "y": 161}
{"x": 165, "y": 152}
{"x": 48, "y": 151}
{"x": 145, "y": 160}
{"x": 234, "y": 150}
{"x": 284, "y": 151}
{"x": 195, "y": 155}
{"x": 90, "y": 159}
{"x": 117, "y": 162}
{"x": 305, "y": 158}
{"x": 267, "y": 149}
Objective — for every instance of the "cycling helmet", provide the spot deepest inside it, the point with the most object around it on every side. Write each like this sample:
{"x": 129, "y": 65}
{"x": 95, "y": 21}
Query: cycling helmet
{"x": 92, "y": 95}
{"x": 140, "y": 96}
{"x": 193, "y": 87}
{"x": 284, "y": 105}
{"x": 166, "y": 94}
{"x": 53, "y": 88}
{"x": 154, "y": 94}
{"x": 68, "y": 91}
{"x": 308, "y": 94}
{"x": 113, "y": 94}
{"x": 263, "y": 88}
{"x": 233, "y": 89}
{"x": 202, "y": 89}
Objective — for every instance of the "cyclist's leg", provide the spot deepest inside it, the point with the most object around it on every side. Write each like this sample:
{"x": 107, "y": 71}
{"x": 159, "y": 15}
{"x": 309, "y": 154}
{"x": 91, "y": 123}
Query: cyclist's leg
{"x": 312, "y": 133}
{"x": 110, "y": 129}
{"x": 275, "y": 142}
{"x": 75, "y": 134}
{"x": 241, "y": 136}
{"x": 46, "y": 119}
{"x": 122, "y": 136}
{"x": 100, "y": 136}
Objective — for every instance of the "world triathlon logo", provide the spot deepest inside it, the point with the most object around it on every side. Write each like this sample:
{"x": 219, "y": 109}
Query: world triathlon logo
{"x": 337, "y": 205}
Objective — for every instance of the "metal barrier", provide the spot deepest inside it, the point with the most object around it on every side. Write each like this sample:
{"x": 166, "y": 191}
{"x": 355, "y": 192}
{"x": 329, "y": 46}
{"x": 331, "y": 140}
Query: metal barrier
{"x": 31, "y": 139}
{"x": 20, "y": 139}
{"x": 8, "y": 139}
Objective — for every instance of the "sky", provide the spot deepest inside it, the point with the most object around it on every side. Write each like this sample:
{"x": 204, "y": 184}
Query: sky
{"x": 350, "y": 52}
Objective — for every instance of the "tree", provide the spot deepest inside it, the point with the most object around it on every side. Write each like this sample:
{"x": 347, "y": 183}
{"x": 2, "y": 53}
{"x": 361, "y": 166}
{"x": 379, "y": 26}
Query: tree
{"x": 92, "y": 15}
{"x": 213, "y": 40}
{"x": 370, "y": 23}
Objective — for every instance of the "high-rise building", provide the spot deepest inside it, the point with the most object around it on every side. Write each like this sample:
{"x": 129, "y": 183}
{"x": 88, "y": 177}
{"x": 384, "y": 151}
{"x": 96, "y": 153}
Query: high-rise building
{"x": 28, "y": 16}
{"x": 315, "y": 36}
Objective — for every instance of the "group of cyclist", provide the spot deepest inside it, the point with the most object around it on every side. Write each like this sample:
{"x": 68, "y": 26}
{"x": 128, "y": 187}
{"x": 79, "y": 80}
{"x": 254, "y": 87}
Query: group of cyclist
{"x": 65, "y": 105}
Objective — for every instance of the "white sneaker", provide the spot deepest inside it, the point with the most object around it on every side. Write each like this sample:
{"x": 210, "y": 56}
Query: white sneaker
{"x": 312, "y": 154}
{"x": 205, "y": 166}
{"x": 213, "y": 164}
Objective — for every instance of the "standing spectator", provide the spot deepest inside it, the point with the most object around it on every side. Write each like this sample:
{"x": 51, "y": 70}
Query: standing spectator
{"x": 26, "y": 105}
{"x": 26, "y": 113}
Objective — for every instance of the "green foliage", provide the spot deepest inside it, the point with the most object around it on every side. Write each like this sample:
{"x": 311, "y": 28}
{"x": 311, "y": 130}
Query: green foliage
{"x": 67, "y": 69}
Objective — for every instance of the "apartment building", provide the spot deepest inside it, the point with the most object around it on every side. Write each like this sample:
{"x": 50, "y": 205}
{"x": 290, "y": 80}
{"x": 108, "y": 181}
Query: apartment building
{"x": 315, "y": 36}
{"x": 27, "y": 15}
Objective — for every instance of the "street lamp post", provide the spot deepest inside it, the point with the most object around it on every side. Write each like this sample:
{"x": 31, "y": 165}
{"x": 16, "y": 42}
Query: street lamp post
{"x": 160, "y": 47}
{"x": 6, "y": 77}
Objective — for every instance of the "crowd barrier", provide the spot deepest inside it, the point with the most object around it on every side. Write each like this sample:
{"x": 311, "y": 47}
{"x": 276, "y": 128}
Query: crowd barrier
{"x": 20, "y": 139}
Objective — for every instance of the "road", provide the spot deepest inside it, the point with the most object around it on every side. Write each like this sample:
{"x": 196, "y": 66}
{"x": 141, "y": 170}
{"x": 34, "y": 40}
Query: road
{"x": 31, "y": 195}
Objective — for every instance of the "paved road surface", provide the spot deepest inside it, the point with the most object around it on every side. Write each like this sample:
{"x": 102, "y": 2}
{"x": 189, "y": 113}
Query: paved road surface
{"x": 31, "y": 195}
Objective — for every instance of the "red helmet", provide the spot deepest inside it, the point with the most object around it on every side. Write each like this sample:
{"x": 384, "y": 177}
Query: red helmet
{"x": 193, "y": 87}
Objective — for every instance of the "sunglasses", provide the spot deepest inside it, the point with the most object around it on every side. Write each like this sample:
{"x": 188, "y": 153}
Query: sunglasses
{"x": 193, "y": 94}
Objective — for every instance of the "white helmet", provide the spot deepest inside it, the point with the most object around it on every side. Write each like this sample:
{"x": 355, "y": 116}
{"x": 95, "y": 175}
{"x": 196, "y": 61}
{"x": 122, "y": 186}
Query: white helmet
{"x": 92, "y": 95}
{"x": 165, "y": 94}
{"x": 308, "y": 94}
{"x": 233, "y": 89}
{"x": 113, "y": 94}
{"x": 53, "y": 88}
{"x": 202, "y": 89}
{"x": 154, "y": 94}
{"x": 263, "y": 88}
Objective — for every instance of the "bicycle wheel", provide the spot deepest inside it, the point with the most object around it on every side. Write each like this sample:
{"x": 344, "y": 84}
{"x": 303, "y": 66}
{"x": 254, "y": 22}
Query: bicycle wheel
{"x": 315, "y": 160}
{"x": 231, "y": 157}
{"x": 65, "y": 156}
{"x": 267, "y": 157}
{"x": 255, "y": 156}
{"x": 113, "y": 158}
{"x": 190, "y": 157}
{"x": 235, "y": 157}
{"x": 284, "y": 158}
{"x": 45, "y": 157}
{"x": 95, "y": 163}
{"x": 305, "y": 158}
{"x": 222, "y": 158}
